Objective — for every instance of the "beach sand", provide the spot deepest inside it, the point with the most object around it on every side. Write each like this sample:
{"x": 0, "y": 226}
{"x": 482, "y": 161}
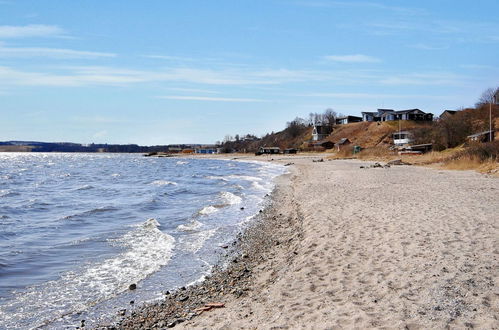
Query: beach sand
{"x": 403, "y": 247}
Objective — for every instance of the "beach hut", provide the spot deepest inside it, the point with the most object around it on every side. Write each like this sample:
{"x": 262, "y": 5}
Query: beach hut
{"x": 268, "y": 151}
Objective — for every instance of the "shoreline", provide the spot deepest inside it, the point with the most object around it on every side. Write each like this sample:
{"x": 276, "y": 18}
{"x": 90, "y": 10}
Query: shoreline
{"x": 230, "y": 279}
{"x": 329, "y": 252}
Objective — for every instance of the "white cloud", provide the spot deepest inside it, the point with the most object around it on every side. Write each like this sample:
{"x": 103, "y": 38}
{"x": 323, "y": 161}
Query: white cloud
{"x": 193, "y": 90}
{"x": 357, "y": 96}
{"x": 49, "y": 52}
{"x": 170, "y": 58}
{"x": 210, "y": 99}
{"x": 357, "y": 58}
{"x": 430, "y": 79}
{"x": 32, "y": 30}
{"x": 423, "y": 46}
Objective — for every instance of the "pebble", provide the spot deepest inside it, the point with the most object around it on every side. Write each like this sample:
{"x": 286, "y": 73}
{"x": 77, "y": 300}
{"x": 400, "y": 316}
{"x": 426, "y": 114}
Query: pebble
{"x": 132, "y": 286}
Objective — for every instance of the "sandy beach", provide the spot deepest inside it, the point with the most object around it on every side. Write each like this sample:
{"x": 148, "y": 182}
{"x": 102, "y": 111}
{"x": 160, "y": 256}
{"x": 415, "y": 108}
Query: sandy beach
{"x": 345, "y": 245}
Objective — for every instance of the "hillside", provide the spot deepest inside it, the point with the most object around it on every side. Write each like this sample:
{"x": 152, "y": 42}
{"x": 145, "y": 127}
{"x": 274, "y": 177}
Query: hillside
{"x": 370, "y": 134}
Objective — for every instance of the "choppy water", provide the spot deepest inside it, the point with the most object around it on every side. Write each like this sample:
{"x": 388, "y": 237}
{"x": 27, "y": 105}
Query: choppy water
{"x": 77, "y": 229}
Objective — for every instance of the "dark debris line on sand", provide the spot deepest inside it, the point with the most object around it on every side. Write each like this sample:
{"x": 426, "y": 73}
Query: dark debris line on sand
{"x": 247, "y": 251}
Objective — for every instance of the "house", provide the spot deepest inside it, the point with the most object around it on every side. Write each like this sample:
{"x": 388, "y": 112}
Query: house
{"x": 496, "y": 96}
{"x": 342, "y": 143}
{"x": 402, "y": 137}
{"x": 447, "y": 114}
{"x": 206, "y": 149}
{"x": 175, "y": 150}
{"x": 390, "y": 115}
{"x": 268, "y": 151}
{"x": 291, "y": 151}
{"x": 375, "y": 116}
{"x": 321, "y": 132}
{"x": 347, "y": 120}
{"x": 482, "y": 136}
{"x": 321, "y": 145}
{"x": 421, "y": 147}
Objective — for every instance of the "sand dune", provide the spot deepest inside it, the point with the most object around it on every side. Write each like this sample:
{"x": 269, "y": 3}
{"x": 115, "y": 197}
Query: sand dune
{"x": 402, "y": 247}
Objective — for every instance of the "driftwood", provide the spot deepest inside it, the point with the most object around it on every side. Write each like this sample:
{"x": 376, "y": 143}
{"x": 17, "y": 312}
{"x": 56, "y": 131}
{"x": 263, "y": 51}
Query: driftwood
{"x": 208, "y": 307}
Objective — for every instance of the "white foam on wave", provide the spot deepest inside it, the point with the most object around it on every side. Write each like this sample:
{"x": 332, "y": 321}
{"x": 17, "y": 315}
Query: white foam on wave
{"x": 85, "y": 187}
{"x": 257, "y": 185}
{"x": 180, "y": 162}
{"x": 230, "y": 198}
{"x": 215, "y": 177}
{"x": 244, "y": 177}
{"x": 208, "y": 210}
{"x": 191, "y": 226}
{"x": 163, "y": 183}
{"x": 146, "y": 249}
{"x": 195, "y": 241}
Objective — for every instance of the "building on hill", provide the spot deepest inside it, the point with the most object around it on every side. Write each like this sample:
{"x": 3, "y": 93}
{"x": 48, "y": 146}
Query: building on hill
{"x": 347, "y": 120}
{"x": 342, "y": 143}
{"x": 447, "y": 114}
{"x": 401, "y": 138}
{"x": 391, "y": 115}
{"x": 268, "y": 151}
{"x": 482, "y": 136}
{"x": 321, "y": 132}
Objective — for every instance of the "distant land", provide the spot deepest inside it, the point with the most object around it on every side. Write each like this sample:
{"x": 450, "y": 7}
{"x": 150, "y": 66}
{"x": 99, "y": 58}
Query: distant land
{"x": 35, "y": 146}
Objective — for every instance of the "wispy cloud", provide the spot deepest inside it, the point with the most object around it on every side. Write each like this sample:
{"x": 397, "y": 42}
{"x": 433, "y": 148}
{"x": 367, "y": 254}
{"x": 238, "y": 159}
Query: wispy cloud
{"x": 423, "y": 46}
{"x": 21, "y": 52}
{"x": 171, "y": 58}
{"x": 193, "y": 90}
{"x": 430, "y": 79}
{"x": 362, "y": 4}
{"x": 372, "y": 96}
{"x": 210, "y": 99}
{"x": 28, "y": 31}
{"x": 357, "y": 58}
{"x": 99, "y": 75}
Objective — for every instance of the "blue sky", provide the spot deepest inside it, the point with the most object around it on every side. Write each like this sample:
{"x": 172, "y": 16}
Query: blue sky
{"x": 163, "y": 72}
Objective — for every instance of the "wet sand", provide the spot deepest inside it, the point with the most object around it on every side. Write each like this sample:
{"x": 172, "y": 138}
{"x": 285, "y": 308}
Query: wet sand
{"x": 342, "y": 246}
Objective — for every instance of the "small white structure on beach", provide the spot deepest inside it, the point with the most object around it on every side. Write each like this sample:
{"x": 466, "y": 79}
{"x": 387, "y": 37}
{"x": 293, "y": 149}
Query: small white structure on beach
{"x": 402, "y": 138}
{"x": 321, "y": 132}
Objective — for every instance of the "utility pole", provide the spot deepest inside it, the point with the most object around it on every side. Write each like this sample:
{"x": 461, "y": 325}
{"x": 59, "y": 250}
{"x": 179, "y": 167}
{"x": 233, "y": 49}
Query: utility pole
{"x": 490, "y": 121}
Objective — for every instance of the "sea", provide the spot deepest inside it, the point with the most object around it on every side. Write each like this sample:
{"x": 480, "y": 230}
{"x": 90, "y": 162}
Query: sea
{"x": 76, "y": 230}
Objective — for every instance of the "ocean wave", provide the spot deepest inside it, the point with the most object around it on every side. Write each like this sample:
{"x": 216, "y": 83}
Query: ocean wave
{"x": 208, "y": 210}
{"x": 230, "y": 198}
{"x": 191, "y": 226}
{"x": 146, "y": 250}
{"x": 180, "y": 162}
{"x": 215, "y": 177}
{"x": 244, "y": 177}
{"x": 259, "y": 186}
{"x": 163, "y": 183}
{"x": 195, "y": 241}
{"x": 85, "y": 187}
{"x": 8, "y": 193}
{"x": 89, "y": 212}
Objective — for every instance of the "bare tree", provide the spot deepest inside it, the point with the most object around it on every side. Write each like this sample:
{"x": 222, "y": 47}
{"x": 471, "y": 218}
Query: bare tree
{"x": 487, "y": 96}
{"x": 329, "y": 116}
